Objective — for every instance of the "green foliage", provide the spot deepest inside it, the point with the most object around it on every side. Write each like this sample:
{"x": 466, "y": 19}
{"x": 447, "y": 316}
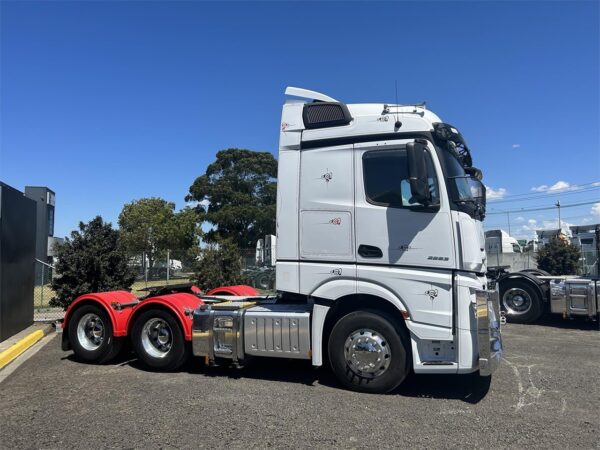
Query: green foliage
{"x": 151, "y": 225}
{"x": 92, "y": 260}
{"x": 219, "y": 266}
{"x": 237, "y": 194}
{"x": 558, "y": 257}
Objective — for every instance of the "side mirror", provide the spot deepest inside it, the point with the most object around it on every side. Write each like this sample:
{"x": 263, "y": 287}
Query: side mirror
{"x": 417, "y": 172}
{"x": 474, "y": 172}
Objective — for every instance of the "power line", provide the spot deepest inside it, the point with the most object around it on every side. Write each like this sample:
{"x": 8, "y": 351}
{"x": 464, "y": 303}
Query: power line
{"x": 565, "y": 189}
{"x": 545, "y": 208}
{"x": 544, "y": 195}
{"x": 500, "y": 225}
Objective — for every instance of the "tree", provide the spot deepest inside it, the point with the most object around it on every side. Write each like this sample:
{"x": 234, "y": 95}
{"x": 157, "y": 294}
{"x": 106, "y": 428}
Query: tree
{"x": 92, "y": 260}
{"x": 151, "y": 226}
{"x": 219, "y": 265}
{"x": 558, "y": 257}
{"x": 237, "y": 195}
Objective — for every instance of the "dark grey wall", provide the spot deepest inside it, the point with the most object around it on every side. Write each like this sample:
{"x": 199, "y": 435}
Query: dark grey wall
{"x": 17, "y": 260}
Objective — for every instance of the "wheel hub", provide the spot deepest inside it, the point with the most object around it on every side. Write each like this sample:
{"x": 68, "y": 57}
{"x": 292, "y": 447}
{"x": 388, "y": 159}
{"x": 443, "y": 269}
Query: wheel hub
{"x": 516, "y": 301}
{"x": 90, "y": 331}
{"x": 157, "y": 338}
{"x": 367, "y": 353}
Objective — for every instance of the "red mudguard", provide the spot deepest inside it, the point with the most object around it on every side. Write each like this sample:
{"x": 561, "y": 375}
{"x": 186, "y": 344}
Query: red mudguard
{"x": 181, "y": 304}
{"x": 119, "y": 319}
{"x": 240, "y": 290}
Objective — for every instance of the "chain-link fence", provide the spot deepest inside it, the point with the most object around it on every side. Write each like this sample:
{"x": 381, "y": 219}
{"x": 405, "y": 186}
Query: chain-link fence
{"x": 258, "y": 273}
{"x": 157, "y": 270}
{"x": 589, "y": 263}
{"x": 258, "y": 264}
{"x": 514, "y": 262}
{"x": 43, "y": 293}
{"x": 161, "y": 269}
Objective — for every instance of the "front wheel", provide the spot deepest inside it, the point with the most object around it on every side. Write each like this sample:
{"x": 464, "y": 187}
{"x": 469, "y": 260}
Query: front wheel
{"x": 158, "y": 340}
{"x": 91, "y": 335}
{"x": 521, "y": 301}
{"x": 368, "y": 352}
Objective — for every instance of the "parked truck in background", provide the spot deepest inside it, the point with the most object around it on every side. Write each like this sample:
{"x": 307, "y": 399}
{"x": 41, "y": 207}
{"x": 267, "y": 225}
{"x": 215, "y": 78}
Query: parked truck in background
{"x": 528, "y": 294}
{"x": 380, "y": 261}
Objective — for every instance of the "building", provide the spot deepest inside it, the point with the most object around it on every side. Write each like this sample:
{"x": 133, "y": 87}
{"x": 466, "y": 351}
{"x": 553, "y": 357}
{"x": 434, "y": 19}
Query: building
{"x": 17, "y": 260}
{"x": 587, "y": 238}
{"x": 45, "y": 200}
{"x": 545, "y": 236}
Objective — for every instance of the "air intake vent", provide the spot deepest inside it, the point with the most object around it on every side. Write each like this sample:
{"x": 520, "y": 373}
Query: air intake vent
{"x": 325, "y": 114}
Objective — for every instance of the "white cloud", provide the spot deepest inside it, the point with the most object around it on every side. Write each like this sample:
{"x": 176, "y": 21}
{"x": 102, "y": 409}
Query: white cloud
{"x": 526, "y": 230}
{"x": 494, "y": 194}
{"x": 516, "y": 145}
{"x": 558, "y": 186}
{"x": 595, "y": 211}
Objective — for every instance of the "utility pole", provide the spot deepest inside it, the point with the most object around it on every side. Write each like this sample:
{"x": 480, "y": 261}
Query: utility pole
{"x": 508, "y": 220}
{"x": 559, "y": 222}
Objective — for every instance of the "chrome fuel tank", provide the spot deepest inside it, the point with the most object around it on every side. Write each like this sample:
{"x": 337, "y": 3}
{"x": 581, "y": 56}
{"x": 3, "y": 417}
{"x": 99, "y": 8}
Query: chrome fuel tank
{"x": 236, "y": 330}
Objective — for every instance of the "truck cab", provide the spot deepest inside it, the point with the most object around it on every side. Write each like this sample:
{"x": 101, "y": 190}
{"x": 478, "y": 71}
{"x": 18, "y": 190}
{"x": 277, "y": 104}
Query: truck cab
{"x": 379, "y": 207}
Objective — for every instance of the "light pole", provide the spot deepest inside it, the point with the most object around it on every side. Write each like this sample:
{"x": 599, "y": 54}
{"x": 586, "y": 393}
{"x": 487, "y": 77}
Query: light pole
{"x": 559, "y": 221}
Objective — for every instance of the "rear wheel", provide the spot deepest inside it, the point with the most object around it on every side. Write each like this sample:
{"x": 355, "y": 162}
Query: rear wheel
{"x": 520, "y": 301}
{"x": 368, "y": 353}
{"x": 91, "y": 335}
{"x": 158, "y": 340}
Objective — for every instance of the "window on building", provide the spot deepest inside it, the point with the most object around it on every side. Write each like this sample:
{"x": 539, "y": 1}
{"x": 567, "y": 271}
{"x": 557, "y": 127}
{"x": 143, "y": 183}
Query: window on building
{"x": 50, "y": 220}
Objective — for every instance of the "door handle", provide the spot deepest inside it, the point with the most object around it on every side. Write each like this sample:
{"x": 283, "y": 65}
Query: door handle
{"x": 369, "y": 251}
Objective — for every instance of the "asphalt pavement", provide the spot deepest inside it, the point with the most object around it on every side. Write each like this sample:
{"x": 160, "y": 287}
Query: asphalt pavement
{"x": 546, "y": 394}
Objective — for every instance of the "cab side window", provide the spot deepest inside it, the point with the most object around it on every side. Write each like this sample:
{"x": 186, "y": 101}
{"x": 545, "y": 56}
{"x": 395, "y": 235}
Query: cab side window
{"x": 386, "y": 181}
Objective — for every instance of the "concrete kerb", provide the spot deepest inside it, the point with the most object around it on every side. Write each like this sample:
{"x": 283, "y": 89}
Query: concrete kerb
{"x": 16, "y": 349}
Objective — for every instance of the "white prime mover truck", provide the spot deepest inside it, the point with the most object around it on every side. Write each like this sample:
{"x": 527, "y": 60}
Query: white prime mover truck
{"x": 380, "y": 260}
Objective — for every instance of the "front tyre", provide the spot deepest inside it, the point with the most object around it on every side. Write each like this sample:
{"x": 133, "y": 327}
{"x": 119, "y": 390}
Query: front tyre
{"x": 158, "y": 340}
{"x": 368, "y": 353}
{"x": 91, "y": 335}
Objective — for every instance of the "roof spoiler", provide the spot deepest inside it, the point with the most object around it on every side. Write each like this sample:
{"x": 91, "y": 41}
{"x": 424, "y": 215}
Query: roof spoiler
{"x": 312, "y": 95}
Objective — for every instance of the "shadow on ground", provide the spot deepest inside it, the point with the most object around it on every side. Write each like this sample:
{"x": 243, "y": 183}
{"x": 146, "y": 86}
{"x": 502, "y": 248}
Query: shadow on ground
{"x": 557, "y": 321}
{"x": 469, "y": 388}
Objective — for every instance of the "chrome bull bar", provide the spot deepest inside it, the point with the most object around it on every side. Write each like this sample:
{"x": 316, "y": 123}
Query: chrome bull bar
{"x": 489, "y": 338}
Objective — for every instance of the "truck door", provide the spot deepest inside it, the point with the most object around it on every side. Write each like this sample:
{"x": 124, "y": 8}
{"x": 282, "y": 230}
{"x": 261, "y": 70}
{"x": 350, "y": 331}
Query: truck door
{"x": 402, "y": 245}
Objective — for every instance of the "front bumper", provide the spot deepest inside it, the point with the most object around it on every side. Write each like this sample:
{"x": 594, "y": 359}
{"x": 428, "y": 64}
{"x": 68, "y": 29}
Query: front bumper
{"x": 489, "y": 338}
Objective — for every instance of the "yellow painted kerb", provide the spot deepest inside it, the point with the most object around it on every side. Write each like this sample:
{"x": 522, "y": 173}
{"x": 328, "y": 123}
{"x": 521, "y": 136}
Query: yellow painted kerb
{"x": 16, "y": 349}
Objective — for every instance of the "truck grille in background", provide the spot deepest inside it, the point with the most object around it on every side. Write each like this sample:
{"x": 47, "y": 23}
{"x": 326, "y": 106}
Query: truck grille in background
{"x": 325, "y": 114}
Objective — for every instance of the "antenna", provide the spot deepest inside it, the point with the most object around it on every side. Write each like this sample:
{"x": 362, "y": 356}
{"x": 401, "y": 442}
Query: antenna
{"x": 398, "y": 124}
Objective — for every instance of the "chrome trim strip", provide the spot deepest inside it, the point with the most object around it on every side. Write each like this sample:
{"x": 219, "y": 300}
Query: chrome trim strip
{"x": 489, "y": 338}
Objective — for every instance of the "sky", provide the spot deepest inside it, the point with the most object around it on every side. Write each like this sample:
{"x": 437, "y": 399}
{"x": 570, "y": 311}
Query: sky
{"x": 107, "y": 102}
